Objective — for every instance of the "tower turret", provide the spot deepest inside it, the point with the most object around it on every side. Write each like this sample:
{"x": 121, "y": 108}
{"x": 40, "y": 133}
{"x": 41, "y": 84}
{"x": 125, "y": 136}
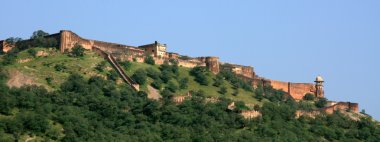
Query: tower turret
{"x": 319, "y": 92}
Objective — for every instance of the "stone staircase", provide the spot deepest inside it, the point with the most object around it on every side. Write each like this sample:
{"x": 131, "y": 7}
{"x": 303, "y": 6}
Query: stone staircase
{"x": 118, "y": 68}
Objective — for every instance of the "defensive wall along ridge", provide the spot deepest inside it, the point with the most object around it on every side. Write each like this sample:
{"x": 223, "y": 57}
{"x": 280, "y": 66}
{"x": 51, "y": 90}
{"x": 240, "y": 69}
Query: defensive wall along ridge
{"x": 112, "y": 51}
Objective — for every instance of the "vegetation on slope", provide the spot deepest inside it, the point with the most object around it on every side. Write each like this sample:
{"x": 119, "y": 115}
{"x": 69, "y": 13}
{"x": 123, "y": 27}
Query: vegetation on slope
{"x": 96, "y": 110}
{"x": 85, "y": 106}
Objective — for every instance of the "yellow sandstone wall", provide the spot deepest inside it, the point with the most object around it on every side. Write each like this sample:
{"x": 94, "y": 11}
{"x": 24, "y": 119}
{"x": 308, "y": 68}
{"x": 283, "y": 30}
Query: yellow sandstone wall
{"x": 296, "y": 90}
{"x": 299, "y": 90}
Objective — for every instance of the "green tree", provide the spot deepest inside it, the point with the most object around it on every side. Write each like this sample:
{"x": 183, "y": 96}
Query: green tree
{"x": 113, "y": 75}
{"x": 60, "y": 67}
{"x": 223, "y": 90}
{"x": 101, "y": 66}
{"x": 39, "y": 34}
{"x": 77, "y": 51}
{"x": 218, "y": 80}
{"x": 127, "y": 64}
{"x": 153, "y": 73}
{"x": 172, "y": 86}
{"x": 183, "y": 83}
{"x": 149, "y": 60}
{"x": 309, "y": 97}
{"x": 321, "y": 103}
{"x": 49, "y": 80}
{"x": 157, "y": 84}
{"x": 32, "y": 52}
{"x": 140, "y": 76}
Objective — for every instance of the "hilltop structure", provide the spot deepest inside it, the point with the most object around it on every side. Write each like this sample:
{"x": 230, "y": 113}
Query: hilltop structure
{"x": 68, "y": 39}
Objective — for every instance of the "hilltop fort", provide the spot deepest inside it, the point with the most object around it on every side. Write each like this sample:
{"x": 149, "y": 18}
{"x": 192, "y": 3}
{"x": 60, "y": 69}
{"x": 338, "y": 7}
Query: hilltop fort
{"x": 112, "y": 51}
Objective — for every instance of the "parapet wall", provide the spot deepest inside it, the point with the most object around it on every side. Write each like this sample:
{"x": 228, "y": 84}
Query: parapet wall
{"x": 342, "y": 106}
{"x": 280, "y": 85}
{"x": 299, "y": 90}
{"x": 69, "y": 39}
{"x": 296, "y": 90}
{"x": 190, "y": 63}
{"x": 246, "y": 71}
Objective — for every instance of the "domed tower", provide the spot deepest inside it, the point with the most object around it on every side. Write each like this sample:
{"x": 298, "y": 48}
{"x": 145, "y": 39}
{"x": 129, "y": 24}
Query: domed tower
{"x": 319, "y": 92}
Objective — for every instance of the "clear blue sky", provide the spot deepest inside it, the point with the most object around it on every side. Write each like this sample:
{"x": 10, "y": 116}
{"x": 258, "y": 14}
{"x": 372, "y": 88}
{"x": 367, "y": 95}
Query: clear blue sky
{"x": 284, "y": 40}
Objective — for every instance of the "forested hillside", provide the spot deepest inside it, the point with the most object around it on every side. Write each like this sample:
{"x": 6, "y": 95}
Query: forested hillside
{"x": 80, "y": 98}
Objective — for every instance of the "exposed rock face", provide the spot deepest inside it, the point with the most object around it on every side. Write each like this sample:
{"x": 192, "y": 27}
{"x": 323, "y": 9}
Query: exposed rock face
{"x": 17, "y": 79}
{"x": 250, "y": 114}
{"x": 42, "y": 54}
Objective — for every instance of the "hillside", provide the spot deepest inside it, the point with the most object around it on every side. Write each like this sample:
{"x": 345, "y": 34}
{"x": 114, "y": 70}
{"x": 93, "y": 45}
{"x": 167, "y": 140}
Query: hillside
{"x": 61, "y": 97}
{"x": 38, "y": 69}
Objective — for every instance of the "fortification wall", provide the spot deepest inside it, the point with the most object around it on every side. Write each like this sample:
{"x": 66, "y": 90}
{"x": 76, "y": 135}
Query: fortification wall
{"x": 190, "y": 63}
{"x": 248, "y": 71}
{"x": 280, "y": 85}
{"x": 296, "y": 90}
{"x": 299, "y": 90}
{"x": 68, "y": 40}
{"x": 5, "y": 46}
{"x": 342, "y": 106}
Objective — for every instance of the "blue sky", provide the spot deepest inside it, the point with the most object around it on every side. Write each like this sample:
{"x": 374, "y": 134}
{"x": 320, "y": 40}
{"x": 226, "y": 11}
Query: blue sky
{"x": 293, "y": 40}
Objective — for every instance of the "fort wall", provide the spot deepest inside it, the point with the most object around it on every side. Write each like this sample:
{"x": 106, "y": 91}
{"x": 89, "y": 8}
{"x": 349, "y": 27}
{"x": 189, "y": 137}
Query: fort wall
{"x": 280, "y": 85}
{"x": 5, "y": 46}
{"x": 190, "y": 63}
{"x": 246, "y": 71}
{"x": 342, "y": 106}
{"x": 211, "y": 62}
{"x": 299, "y": 90}
{"x": 296, "y": 90}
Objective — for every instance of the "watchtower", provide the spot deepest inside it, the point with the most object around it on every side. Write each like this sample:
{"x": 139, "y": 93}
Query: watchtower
{"x": 319, "y": 92}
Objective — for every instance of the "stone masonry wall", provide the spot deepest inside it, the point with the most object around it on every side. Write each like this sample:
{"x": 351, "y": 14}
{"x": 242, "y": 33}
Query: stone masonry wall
{"x": 342, "y": 106}
{"x": 5, "y": 47}
{"x": 296, "y": 90}
{"x": 299, "y": 90}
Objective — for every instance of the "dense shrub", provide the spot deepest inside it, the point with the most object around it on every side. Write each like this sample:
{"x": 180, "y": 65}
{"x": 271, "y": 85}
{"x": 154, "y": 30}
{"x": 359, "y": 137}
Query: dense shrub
{"x": 77, "y": 51}
{"x": 309, "y": 97}
{"x": 32, "y": 52}
{"x": 321, "y": 102}
{"x": 183, "y": 83}
{"x": 140, "y": 76}
{"x": 60, "y": 67}
{"x": 113, "y": 75}
{"x": 101, "y": 66}
{"x": 200, "y": 74}
{"x": 172, "y": 86}
{"x": 153, "y": 73}
{"x": 149, "y": 60}
{"x": 235, "y": 80}
{"x": 223, "y": 90}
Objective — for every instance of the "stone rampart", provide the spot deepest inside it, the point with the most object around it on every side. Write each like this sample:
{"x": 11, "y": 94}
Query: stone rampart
{"x": 5, "y": 46}
{"x": 342, "y": 106}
